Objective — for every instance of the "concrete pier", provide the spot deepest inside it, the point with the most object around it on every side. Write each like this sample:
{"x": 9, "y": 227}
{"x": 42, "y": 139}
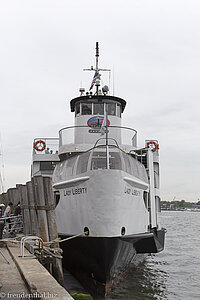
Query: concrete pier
{"x": 26, "y": 276}
{"x": 10, "y": 277}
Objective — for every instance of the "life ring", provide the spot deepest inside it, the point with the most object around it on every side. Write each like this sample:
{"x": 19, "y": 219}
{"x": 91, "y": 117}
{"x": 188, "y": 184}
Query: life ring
{"x": 39, "y": 145}
{"x": 154, "y": 147}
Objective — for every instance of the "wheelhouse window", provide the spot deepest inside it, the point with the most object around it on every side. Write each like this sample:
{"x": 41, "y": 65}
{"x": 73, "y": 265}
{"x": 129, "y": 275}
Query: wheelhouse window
{"x": 77, "y": 109}
{"x": 111, "y": 109}
{"x": 98, "y": 108}
{"x": 86, "y": 108}
{"x": 119, "y": 110}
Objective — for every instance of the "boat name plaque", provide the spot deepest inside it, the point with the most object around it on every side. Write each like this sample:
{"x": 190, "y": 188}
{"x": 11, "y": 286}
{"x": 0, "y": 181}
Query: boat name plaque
{"x": 131, "y": 191}
{"x": 75, "y": 191}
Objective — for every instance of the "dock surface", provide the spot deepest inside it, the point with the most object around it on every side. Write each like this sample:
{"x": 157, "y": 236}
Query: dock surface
{"x": 10, "y": 277}
{"x": 25, "y": 277}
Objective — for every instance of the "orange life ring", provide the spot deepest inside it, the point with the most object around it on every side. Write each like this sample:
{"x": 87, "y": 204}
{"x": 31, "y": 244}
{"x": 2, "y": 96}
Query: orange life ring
{"x": 156, "y": 146}
{"x": 39, "y": 145}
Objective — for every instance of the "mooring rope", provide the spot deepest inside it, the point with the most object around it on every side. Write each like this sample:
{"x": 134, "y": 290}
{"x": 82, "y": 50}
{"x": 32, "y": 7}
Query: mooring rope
{"x": 47, "y": 246}
{"x": 58, "y": 240}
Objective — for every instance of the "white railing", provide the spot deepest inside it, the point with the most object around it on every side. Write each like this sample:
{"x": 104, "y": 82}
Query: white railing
{"x": 12, "y": 224}
{"x": 51, "y": 143}
{"x": 87, "y": 135}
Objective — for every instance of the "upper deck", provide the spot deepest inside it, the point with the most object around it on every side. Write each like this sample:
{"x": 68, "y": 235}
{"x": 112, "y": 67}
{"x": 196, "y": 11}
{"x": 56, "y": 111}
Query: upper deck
{"x": 45, "y": 156}
{"x": 83, "y": 138}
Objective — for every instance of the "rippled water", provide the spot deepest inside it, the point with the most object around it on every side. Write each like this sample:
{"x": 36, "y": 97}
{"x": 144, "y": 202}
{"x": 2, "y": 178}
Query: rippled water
{"x": 173, "y": 274}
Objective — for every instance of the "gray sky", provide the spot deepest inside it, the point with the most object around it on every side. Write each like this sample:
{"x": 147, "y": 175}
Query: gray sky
{"x": 154, "y": 49}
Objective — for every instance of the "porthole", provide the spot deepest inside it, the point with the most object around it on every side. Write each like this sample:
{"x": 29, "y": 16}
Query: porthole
{"x": 86, "y": 231}
{"x": 123, "y": 230}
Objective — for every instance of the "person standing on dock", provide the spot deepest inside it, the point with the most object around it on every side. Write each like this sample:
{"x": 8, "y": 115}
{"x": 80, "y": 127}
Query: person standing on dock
{"x": 17, "y": 222}
{"x": 7, "y": 214}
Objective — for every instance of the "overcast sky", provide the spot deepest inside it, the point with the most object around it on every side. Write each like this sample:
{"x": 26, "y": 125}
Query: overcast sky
{"x": 153, "y": 48}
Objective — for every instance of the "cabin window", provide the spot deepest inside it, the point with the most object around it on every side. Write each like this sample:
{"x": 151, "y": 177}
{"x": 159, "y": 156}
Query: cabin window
{"x": 98, "y": 161}
{"x": 133, "y": 167}
{"x": 115, "y": 161}
{"x": 98, "y": 108}
{"x": 111, "y": 109}
{"x": 86, "y": 108}
{"x": 82, "y": 163}
{"x": 127, "y": 163}
{"x": 68, "y": 168}
{"x": 118, "y": 110}
{"x": 47, "y": 165}
{"x": 77, "y": 109}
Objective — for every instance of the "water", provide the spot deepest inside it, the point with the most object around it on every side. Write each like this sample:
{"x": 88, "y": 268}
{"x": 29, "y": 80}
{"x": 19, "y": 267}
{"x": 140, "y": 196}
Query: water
{"x": 173, "y": 274}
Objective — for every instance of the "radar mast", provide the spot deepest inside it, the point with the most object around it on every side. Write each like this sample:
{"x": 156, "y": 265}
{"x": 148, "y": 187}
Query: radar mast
{"x": 97, "y": 75}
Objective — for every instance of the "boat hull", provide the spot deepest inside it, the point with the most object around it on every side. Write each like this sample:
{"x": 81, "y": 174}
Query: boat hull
{"x": 99, "y": 263}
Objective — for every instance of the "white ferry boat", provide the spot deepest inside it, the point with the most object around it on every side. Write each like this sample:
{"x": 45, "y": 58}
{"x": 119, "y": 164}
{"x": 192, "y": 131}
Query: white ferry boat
{"x": 108, "y": 190}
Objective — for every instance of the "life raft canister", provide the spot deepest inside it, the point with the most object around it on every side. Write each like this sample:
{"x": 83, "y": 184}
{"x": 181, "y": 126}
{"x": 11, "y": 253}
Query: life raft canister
{"x": 39, "y": 145}
{"x": 154, "y": 146}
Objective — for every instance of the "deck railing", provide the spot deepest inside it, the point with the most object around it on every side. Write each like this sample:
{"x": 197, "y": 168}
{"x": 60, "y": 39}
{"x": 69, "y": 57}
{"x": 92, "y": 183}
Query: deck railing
{"x": 79, "y": 135}
{"x": 51, "y": 143}
{"x": 12, "y": 224}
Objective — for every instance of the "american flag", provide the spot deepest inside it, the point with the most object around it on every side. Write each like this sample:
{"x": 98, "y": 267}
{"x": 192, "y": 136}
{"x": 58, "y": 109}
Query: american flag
{"x": 96, "y": 76}
{"x": 103, "y": 126}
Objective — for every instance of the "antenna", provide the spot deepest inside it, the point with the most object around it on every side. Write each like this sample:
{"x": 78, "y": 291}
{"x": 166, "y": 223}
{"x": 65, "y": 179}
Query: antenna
{"x": 96, "y": 69}
{"x": 97, "y": 54}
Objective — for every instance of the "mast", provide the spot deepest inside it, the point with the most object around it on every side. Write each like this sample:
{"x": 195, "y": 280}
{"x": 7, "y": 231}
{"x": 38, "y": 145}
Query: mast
{"x": 97, "y": 83}
{"x": 97, "y": 75}
{"x": 97, "y": 56}
{"x": 96, "y": 70}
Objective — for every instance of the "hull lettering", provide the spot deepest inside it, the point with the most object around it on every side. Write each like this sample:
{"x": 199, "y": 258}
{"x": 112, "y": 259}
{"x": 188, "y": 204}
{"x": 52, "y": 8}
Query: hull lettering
{"x": 75, "y": 191}
{"x": 131, "y": 191}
